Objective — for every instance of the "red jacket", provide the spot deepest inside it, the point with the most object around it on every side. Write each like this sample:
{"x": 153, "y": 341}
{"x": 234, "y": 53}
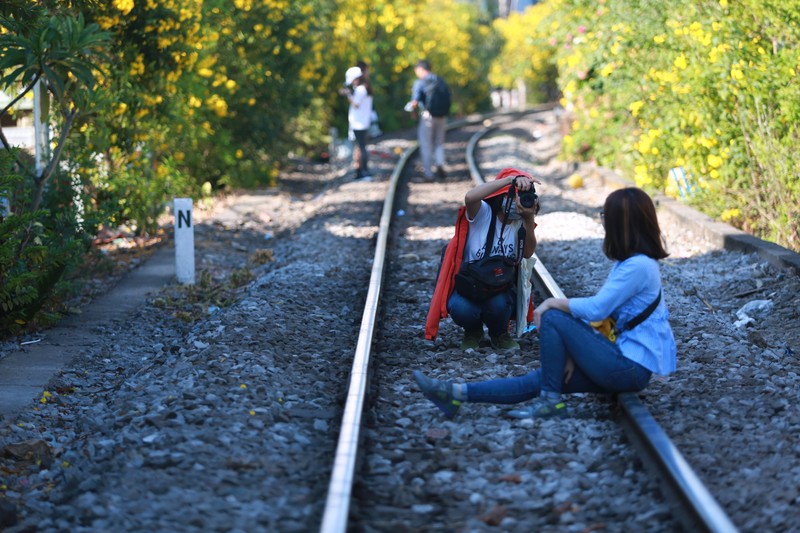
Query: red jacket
{"x": 451, "y": 262}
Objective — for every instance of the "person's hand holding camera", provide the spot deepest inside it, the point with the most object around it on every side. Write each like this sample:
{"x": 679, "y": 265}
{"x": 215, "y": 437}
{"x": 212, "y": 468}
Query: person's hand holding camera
{"x": 526, "y": 198}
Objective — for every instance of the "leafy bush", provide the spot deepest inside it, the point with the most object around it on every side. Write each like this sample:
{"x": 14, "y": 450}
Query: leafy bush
{"x": 36, "y": 249}
{"x": 709, "y": 85}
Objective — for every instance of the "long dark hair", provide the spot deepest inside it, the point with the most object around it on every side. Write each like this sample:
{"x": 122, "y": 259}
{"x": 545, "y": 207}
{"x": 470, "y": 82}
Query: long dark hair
{"x": 364, "y": 80}
{"x": 631, "y": 226}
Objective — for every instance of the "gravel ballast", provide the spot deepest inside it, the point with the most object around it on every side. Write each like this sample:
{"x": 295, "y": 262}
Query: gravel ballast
{"x": 229, "y": 422}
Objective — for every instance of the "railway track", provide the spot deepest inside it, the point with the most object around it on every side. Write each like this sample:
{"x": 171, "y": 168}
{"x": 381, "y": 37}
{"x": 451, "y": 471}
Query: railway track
{"x": 693, "y": 506}
{"x": 229, "y": 421}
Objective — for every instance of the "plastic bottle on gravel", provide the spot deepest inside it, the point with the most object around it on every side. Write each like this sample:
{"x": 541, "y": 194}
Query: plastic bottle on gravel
{"x": 752, "y": 310}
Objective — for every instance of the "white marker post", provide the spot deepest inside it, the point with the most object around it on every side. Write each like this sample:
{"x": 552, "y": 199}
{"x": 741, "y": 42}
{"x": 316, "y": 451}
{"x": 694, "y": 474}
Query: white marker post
{"x": 184, "y": 241}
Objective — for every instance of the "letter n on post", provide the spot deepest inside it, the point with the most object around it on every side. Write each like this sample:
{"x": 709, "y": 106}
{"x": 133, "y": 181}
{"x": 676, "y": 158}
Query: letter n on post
{"x": 184, "y": 241}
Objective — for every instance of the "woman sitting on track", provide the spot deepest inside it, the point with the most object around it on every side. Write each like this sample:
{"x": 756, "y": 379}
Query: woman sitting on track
{"x": 575, "y": 357}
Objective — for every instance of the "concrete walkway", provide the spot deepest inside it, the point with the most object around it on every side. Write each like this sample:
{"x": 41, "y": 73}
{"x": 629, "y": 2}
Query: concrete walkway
{"x": 24, "y": 373}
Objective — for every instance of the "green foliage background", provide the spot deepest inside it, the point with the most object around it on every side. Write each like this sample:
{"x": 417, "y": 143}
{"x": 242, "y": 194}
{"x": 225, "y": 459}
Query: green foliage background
{"x": 154, "y": 99}
{"x": 707, "y": 85}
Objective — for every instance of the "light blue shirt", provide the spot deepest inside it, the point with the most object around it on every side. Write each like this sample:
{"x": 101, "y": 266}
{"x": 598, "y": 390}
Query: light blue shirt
{"x": 631, "y": 286}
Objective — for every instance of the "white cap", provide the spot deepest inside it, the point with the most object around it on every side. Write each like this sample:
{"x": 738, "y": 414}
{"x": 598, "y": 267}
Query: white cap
{"x": 351, "y": 74}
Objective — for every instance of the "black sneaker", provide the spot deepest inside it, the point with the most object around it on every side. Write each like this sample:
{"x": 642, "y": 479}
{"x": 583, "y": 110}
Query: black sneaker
{"x": 440, "y": 173}
{"x": 439, "y": 392}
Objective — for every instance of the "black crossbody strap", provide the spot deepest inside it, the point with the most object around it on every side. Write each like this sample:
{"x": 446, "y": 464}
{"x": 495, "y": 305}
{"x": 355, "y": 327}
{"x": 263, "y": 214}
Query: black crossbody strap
{"x": 521, "y": 234}
{"x": 641, "y": 317}
{"x": 500, "y": 241}
{"x": 490, "y": 235}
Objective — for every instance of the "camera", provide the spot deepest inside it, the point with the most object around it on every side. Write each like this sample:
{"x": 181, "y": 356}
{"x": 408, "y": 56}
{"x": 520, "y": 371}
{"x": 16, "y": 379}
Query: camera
{"x": 527, "y": 198}
{"x": 346, "y": 90}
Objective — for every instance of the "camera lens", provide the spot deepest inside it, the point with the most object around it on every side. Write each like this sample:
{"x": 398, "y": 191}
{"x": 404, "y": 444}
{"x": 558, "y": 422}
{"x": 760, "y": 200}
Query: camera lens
{"x": 527, "y": 198}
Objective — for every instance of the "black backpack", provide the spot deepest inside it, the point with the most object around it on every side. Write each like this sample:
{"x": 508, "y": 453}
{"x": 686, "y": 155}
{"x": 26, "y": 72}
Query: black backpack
{"x": 437, "y": 96}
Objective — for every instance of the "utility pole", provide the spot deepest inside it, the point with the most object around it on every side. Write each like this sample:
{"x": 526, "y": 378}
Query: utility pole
{"x": 41, "y": 129}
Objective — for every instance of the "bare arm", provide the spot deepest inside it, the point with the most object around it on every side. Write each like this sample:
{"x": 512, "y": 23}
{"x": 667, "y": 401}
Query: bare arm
{"x": 473, "y": 198}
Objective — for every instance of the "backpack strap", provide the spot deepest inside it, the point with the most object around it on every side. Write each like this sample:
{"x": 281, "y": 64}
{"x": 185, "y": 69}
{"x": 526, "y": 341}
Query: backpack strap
{"x": 641, "y": 317}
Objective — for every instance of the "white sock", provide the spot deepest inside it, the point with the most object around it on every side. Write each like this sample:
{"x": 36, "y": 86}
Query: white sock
{"x": 460, "y": 392}
{"x": 550, "y": 396}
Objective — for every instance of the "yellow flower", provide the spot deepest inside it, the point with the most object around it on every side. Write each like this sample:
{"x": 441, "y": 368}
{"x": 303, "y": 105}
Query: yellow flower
{"x": 723, "y": 3}
{"x": 137, "y": 67}
{"x": 659, "y": 39}
{"x": 641, "y": 175}
{"x": 737, "y": 74}
{"x": 730, "y": 214}
{"x": 680, "y": 62}
{"x": 714, "y": 161}
{"x": 126, "y": 6}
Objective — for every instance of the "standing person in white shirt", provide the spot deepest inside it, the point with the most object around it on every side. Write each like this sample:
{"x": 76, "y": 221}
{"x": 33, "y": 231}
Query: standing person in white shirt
{"x": 359, "y": 116}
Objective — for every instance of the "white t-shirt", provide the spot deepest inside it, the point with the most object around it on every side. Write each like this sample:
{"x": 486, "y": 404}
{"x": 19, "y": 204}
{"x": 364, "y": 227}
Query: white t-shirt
{"x": 360, "y": 113}
{"x": 476, "y": 236}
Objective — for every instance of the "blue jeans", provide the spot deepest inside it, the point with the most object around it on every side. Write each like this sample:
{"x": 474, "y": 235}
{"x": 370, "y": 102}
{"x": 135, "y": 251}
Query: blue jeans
{"x": 494, "y": 312}
{"x": 599, "y": 365}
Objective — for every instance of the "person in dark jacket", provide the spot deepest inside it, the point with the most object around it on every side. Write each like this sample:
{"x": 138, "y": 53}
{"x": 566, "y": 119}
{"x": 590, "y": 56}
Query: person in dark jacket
{"x": 430, "y": 129}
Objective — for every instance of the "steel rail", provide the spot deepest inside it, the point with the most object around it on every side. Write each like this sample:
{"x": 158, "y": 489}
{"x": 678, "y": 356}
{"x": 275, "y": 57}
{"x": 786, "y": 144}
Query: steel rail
{"x": 337, "y": 506}
{"x": 340, "y": 487}
{"x": 693, "y": 504}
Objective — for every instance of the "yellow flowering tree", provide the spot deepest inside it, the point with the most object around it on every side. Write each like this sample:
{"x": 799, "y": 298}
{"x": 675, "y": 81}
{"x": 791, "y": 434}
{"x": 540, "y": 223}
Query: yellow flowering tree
{"x": 709, "y": 86}
{"x": 392, "y": 36}
{"x": 255, "y": 77}
{"x": 527, "y": 53}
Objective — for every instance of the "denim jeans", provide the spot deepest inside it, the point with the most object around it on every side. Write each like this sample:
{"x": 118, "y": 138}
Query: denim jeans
{"x": 599, "y": 365}
{"x": 494, "y": 312}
